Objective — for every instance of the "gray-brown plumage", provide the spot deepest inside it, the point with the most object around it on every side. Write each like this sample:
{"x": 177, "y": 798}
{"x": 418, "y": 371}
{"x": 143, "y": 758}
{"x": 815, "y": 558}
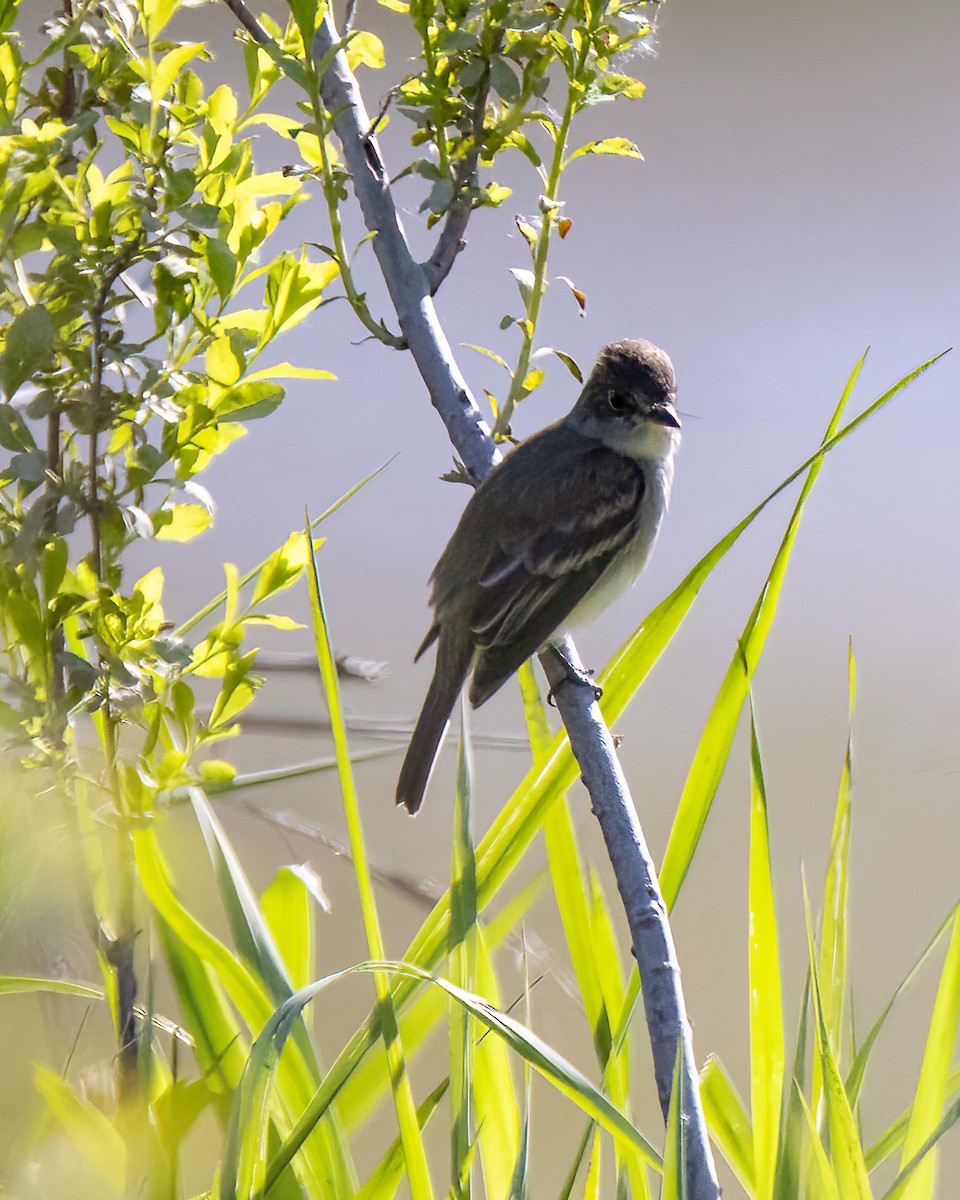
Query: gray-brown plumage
{"x": 558, "y": 529}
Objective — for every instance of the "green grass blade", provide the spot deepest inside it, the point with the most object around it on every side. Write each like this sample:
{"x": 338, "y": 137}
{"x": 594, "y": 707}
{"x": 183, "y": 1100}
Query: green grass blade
{"x": 832, "y": 963}
{"x": 846, "y": 1150}
{"x": 728, "y": 1123}
{"x": 890, "y": 1141}
{"x": 17, "y": 985}
{"x": 212, "y": 606}
{"x": 462, "y": 960}
{"x": 288, "y": 910}
{"x": 950, "y": 1118}
{"x": 365, "y": 1083}
{"x": 244, "y": 1167}
{"x": 566, "y": 1191}
{"x": 829, "y": 1185}
{"x": 418, "y": 1172}
{"x": 791, "y": 1150}
{"x": 712, "y": 752}
{"x": 858, "y": 1070}
{"x": 388, "y": 1174}
{"x": 766, "y": 1002}
{"x": 932, "y": 1085}
{"x": 496, "y": 1108}
{"x": 547, "y": 1062}
{"x": 250, "y": 932}
{"x": 220, "y": 1048}
{"x": 591, "y": 1186}
{"x": 674, "y": 1158}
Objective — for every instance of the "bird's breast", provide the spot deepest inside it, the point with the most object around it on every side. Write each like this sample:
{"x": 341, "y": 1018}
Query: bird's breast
{"x": 622, "y": 572}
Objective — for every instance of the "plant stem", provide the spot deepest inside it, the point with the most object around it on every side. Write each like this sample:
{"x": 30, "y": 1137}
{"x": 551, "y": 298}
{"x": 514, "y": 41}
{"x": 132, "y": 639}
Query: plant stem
{"x": 551, "y": 193}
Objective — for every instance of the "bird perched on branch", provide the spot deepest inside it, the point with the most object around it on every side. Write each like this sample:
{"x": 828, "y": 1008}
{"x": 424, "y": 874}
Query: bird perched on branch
{"x": 555, "y": 532}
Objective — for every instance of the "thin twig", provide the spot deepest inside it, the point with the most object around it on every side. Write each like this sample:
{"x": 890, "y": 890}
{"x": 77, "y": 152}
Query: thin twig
{"x": 406, "y": 280}
{"x": 451, "y": 240}
{"x": 249, "y": 22}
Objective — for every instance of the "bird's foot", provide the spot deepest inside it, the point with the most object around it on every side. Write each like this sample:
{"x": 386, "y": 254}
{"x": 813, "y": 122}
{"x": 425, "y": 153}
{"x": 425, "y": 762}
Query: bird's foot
{"x": 574, "y": 674}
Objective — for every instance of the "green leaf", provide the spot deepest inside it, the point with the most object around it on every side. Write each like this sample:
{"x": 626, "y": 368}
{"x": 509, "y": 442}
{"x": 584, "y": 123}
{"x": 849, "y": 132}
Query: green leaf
{"x": 223, "y": 266}
{"x": 15, "y": 434}
{"x": 620, "y": 146}
{"x": 29, "y": 344}
{"x": 612, "y": 84}
{"x": 503, "y": 79}
{"x": 487, "y": 354}
{"x": 526, "y": 282}
{"x": 365, "y": 50}
{"x": 285, "y": 370}
{"x": 249, "y": 400}
{"x": 180, "y": 522}
{"x": 281, "y": 568}
{"x": 157, "y": 13}
{"x": 169, "y": 67}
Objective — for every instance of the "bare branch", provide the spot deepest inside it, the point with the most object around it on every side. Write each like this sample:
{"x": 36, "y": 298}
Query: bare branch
{"x": 451, "y": 240}
{"x": 651, "y": 938}
{"x": 411, "y": 287}
{"x": 406, "y": 280}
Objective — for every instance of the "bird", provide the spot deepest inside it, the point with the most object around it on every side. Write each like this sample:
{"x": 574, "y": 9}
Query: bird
{"x": 557, "y": 530}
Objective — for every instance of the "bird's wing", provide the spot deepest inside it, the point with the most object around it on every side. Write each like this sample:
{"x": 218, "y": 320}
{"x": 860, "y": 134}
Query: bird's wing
{"x": 547, "y": 557}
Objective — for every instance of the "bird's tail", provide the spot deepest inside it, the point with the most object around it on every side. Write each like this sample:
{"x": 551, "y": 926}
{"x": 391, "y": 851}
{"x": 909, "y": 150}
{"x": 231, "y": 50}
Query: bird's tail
{"x": 448, "y": 677}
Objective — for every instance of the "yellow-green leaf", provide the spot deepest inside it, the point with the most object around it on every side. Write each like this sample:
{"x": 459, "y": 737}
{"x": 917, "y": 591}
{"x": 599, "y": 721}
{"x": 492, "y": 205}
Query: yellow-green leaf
{"x": 620, "y": 146}
{"x": 365, "y": 50}
{"x": 180, "y": 522}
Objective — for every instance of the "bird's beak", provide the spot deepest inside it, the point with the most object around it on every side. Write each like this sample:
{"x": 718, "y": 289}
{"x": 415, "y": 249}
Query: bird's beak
{"x": 665, "y": 414}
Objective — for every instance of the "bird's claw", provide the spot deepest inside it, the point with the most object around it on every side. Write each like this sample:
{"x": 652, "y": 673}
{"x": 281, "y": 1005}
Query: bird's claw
{"x": 579, "y": 675}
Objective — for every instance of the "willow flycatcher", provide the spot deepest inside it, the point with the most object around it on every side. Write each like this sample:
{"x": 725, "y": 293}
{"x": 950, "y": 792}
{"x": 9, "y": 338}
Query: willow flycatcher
{"x": 555, "y": 532}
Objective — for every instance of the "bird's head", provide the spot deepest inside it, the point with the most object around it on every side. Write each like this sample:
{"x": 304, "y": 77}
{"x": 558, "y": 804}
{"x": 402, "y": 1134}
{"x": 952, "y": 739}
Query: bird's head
{"x": 628, "y": 401}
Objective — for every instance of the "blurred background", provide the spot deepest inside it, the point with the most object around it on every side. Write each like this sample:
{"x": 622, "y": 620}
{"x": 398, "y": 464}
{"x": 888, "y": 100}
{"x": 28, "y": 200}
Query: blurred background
{"x": 797, "y": 203}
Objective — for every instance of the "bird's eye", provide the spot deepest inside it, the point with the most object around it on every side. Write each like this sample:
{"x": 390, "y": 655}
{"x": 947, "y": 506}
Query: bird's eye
{"x": 619, "y": 402}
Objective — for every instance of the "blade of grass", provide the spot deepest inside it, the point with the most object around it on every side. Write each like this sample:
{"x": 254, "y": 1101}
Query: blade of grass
{"x": 543, "y": 1058}
{"x": 766, "y": 1001}
{"x": 931, "y": 1090}
{"x": 418, "y": 1172}
{"x": 386, "y": 1177}
{"x": 950, "y": 1118}
{"x": 220, "y": 598}
{"x": 846, "y": 1149}
{"x": 791, "y": 1150}
{"x": 892, "y": 1138}
{"x": 674, "y": 1148}
{"x": 712, "y": 752}
{"x": 728, "y": 1123}
{"x": 858, "y": 1070}
{"x": 832, "y": 963}
{"x": 830, "y": 1187}
{"x": 463, "y": 965}
{"x": 496, "y": 1109}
